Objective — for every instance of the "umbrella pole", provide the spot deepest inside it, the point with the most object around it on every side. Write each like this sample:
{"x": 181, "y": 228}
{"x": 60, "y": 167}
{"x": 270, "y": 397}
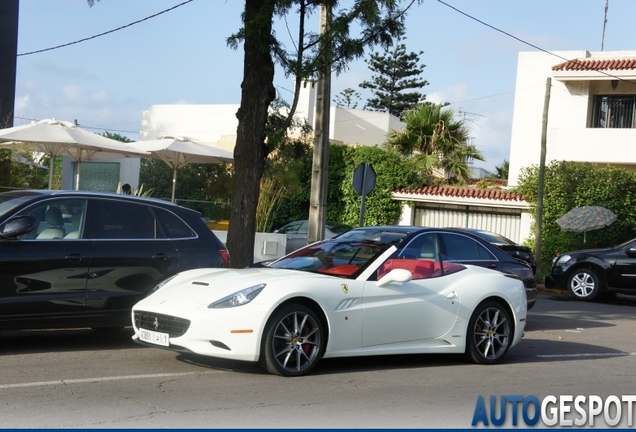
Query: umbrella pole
{"x": 51, "y": 172}
{"x": 174, "y": 181}
{"x": 77, "y": 175}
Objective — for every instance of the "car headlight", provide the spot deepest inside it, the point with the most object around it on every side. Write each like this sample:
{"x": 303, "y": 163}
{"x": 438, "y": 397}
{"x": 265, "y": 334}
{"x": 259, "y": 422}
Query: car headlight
{"x": 239, "y": 298}
{"x": 161, "y": 285}
{"x": 563, "y": 259}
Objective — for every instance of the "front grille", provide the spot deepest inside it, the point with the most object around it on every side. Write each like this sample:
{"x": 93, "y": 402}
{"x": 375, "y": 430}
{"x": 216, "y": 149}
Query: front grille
{"x": 174, "y": 326}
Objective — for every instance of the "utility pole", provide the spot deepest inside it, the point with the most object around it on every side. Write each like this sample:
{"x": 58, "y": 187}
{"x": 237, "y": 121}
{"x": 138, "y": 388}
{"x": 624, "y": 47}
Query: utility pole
{"x": 320, "y": 167}
{"x": 544, "y": 133}
{"x": 604, "y": 25}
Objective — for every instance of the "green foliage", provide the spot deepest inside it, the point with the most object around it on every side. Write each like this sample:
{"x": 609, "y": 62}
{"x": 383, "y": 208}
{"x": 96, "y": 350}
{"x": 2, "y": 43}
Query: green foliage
{"x": 503, "y": 170}
{"x": 395, "y": 72}
{"x": 117, "y": 137}
{"x": 393, "y": 172}
{"x": 486, "y": 184}
{"x": 285, "y": 172}
{"x": 19, "y": 169}
{"x": 569, "y": 185}
{"x": 348, "y": 98}
{"x": 436, "y": 140}
{"x": 377, "y": 22}
{"x": 211, "y": 182}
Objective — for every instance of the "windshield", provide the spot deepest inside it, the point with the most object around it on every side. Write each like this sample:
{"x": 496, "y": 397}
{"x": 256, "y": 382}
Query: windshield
{"x": 333, "y": 257}
{"x": 10, "y": 201}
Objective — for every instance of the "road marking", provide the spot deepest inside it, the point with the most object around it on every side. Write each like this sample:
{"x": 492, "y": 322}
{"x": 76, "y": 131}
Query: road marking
{"x": 619, "y": 354}
{"x": 102, "y": 379}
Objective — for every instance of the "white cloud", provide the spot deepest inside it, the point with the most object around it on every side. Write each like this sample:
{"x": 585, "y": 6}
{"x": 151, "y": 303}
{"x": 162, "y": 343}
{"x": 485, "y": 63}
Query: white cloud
{"x": 80, "y": 96}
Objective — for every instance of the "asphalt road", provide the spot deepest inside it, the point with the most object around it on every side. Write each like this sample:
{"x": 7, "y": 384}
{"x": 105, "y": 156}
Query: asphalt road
{"x": 87, "y": 379}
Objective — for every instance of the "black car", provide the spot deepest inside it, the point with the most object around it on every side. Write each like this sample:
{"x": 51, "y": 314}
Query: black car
{"x": 454, "y": 245}
{"x": 589, "y": 274}
{"x": 513, "y": 249}
{"x": 72, "y": 259}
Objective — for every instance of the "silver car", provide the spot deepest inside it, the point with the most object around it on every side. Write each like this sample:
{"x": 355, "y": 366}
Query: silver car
{"x": 297, "y": 232}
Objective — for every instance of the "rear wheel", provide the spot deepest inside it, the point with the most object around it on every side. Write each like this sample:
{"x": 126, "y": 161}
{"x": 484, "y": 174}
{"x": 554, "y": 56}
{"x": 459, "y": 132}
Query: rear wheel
{"x": 292, "y": 341}
{"x": 489, "y": 333}
{"x": 585, "y": 284}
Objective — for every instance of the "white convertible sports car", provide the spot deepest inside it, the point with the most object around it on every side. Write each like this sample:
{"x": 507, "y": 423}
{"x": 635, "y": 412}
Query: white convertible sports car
{"x": 338, "y": 298}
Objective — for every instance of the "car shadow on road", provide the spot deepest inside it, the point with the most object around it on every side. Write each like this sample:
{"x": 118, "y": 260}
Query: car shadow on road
{"x": 336, "y": 365}
{"x": 542, "y": 322}
{"x": 544, "y": 351}
{"x": 43, "y": 341}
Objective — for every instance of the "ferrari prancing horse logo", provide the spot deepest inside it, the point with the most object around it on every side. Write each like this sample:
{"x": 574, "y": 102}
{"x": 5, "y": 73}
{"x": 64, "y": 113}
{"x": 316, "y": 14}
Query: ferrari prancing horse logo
{"x": 345, "y": 288}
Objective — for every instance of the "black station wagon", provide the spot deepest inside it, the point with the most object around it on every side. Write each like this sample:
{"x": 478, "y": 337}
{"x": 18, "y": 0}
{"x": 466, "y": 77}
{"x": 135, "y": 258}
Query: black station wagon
{"x": 72, "y": 259}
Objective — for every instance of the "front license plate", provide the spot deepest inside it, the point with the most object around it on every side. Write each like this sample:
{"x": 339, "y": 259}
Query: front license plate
{"x": 153, "y": 337}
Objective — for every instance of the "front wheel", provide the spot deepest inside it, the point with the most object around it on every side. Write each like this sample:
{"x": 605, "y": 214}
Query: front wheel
{"x": 584, "y": 284}
{"x": 489, "y": 333}
{"x": 292, "y": 341}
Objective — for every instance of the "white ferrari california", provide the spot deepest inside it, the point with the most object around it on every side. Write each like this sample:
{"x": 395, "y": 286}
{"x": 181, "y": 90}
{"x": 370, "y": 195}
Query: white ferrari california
{"x": 338, "y": 298}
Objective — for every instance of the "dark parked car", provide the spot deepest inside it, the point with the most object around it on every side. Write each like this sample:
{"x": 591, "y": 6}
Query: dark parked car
{"x": 73, "y": 259}
{"x": 513, "y": 249}
{"x": 297, "y": 232}
{"x": 455, "y": 245}
{"x": 589, "y": 274}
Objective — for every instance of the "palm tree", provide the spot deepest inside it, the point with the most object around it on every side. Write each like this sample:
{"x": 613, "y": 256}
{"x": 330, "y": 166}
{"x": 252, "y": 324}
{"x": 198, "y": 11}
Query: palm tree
{"x": 437, "y": 140}
{"x": 503, "y": 170}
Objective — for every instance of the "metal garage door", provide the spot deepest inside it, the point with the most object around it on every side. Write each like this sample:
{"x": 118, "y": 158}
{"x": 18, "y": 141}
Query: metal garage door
{"x": 506, "y": 222}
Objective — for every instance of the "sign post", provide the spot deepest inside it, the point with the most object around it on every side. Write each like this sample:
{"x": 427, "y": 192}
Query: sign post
{"x": 363, "y": 182}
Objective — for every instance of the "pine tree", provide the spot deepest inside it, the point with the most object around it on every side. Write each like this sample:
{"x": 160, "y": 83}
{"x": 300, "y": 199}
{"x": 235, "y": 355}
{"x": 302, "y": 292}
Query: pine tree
{"x": 348, "y": 98}
{"x": 395, "y": 73}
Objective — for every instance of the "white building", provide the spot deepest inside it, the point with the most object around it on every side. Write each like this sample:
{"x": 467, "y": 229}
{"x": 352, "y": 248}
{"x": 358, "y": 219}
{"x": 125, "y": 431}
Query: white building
{"x": 591, "y": 109}
{"x": 216, "y": 124}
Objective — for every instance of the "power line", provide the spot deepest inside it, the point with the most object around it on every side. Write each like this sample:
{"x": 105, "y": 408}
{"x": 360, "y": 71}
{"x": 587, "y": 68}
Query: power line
{"x": 105, "y": 33}
{"x": 532, "y": 45}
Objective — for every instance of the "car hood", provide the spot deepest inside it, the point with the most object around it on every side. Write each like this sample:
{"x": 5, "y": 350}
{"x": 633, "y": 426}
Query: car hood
{"x": 205, "y": 287}
{"x": 600, "y": 251}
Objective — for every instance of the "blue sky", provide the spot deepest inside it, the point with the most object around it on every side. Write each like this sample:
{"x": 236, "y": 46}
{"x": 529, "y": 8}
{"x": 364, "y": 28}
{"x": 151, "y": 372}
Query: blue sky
{"x": 181, "y": 57}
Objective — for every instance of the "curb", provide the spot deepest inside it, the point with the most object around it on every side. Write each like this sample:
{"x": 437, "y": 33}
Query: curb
{"x": 541, "y": 287}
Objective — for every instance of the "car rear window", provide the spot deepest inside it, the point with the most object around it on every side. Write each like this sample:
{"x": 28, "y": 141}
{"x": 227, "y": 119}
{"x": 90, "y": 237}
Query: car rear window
{"x": 173, "y": 226}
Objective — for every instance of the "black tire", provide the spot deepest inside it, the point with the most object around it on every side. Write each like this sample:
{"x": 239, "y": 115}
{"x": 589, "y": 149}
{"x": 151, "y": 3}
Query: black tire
{"x": 293, "y": 341}
{"x": 585, "y": 284}
{"x": 490, "y": 332}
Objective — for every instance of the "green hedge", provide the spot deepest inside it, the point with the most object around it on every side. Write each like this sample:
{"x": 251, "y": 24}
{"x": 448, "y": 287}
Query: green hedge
{"x": 393, "y": 172}
{"x": 569, "y": 185}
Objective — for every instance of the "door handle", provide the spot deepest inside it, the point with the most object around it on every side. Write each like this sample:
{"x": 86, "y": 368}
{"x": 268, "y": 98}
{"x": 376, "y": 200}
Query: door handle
{"x": 74, "y": 257}
{"x": 161, "y": 256}
{"x": 492, "y": 266}
{"x": 452, "y": 295}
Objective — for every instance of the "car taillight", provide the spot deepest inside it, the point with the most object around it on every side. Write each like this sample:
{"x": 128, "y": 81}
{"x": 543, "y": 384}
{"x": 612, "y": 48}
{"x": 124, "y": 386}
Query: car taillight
{"x": 225, "y": 255}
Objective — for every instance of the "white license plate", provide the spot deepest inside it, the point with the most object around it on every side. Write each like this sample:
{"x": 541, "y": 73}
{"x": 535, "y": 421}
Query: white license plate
{"x": 153, "y": 337}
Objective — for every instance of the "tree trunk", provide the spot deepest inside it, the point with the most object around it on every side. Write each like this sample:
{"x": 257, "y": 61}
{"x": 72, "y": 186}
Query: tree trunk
{"x": 257, "y": 93}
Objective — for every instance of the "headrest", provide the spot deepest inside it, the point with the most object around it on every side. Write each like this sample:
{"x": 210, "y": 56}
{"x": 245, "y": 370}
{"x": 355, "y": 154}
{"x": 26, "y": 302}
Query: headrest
{"x": 54, "y": 217}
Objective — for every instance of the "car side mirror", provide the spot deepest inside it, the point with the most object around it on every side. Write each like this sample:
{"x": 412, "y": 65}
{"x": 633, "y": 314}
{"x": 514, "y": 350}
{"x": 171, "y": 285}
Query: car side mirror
{"x": 631, "y": 251}
{"x": 395, "y": 275}
{"x": 17, "y": 226}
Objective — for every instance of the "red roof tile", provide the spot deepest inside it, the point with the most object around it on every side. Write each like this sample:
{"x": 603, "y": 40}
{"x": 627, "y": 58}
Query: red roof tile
{"x": 464, "y": 192}
{"x": 596, "y": 65}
